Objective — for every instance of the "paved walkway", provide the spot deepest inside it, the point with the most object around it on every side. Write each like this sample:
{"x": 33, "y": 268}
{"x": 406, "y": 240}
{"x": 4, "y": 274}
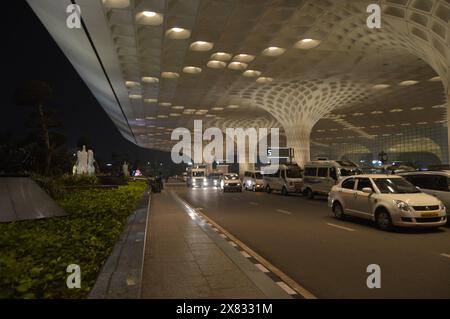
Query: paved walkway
{"x": 185, "y": 258}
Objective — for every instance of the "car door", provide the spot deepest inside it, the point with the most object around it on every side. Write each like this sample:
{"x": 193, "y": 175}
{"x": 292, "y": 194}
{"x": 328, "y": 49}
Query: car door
{"x": 439, "y": 187}
{"x": 363, "y": 201}
{"x": 322, "y": 176}
{"x": 347, "y": 195}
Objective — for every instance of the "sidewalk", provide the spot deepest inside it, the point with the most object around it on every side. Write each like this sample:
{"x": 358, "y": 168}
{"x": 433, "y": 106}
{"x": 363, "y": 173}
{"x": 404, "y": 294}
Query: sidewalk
{"x": 185, "y": 258}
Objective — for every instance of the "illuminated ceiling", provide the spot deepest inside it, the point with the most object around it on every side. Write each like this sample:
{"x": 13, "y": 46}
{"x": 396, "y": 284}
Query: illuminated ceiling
{"x": 302, "y": 65}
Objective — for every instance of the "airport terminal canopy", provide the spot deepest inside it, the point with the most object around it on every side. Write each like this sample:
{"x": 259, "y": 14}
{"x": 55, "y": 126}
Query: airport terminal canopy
{"x": 155, "y": 65}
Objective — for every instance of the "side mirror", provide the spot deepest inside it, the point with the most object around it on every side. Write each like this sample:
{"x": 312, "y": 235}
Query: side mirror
{"x": 367, "y": 190}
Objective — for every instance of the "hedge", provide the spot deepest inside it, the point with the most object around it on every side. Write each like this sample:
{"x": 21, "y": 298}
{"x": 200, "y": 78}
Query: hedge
{"x": 34, "y": 255}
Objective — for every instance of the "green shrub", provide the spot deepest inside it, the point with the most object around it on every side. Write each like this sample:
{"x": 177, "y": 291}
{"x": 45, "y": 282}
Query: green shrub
{"x": 34, "y": 255}
{"x": 78, "y": 180}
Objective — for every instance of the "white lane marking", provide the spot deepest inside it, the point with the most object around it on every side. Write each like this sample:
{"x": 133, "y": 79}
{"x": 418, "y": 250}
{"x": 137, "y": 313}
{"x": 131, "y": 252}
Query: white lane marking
{"x": 284, "y": 211}
{"x": 233, "y": 244}
{"x": 254, "y": 204}
{"x": 445, "y": 255}
{"x": 340, "y": 227}
{"x": 223, "y": 236}
{"x": 244, "y": 253}
{"x": 286, "y": 288}
{"x": 262, "y": 268}
{"x": 215, "y": 229}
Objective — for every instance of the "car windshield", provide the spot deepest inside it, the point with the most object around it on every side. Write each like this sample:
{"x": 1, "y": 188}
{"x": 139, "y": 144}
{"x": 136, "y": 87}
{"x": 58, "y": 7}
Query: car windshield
{"x": 258, "y": 176}
{"x": 293, "y": 173}
{"x": 395, "y": 186}
{"x": 350, "y": 171}
{"x": 198, "y": 174}
{"x": 231, "y": 177}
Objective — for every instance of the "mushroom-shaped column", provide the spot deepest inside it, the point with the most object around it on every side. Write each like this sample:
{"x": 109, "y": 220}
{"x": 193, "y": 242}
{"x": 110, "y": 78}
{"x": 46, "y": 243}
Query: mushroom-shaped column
{"x": 298, "y": 105}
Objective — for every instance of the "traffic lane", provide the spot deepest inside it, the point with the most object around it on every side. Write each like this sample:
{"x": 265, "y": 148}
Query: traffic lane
{"x": 330, "y": 261}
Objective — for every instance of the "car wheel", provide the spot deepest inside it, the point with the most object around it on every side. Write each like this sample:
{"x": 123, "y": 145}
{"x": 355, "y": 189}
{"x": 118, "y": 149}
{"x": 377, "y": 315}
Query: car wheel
{"x": 338, "y": 211}
{"x": 309, "y": 193}
{"x": 384, "y": 221}
{"x": 268, "y": 189}
{"x": 284, "y": 191}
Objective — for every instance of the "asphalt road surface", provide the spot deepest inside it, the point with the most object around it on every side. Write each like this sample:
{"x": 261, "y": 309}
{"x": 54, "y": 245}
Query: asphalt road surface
{"x": 329, "y": 257}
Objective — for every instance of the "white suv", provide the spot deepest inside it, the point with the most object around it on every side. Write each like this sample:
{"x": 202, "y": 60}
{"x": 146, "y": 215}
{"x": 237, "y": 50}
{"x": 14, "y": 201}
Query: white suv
{"x": 388, "y": 200}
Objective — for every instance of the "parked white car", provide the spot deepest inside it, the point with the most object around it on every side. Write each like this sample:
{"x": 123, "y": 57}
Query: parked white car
{"x": 388, "y": 200}
{"x": 253, "y": 180}
{"x": 436, "y": 183}
{"x": 320, "y": 176}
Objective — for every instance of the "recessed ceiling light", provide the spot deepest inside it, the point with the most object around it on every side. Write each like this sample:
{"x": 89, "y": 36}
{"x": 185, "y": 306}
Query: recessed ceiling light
{"x": 149, "y": 18}
{"x": 251, "y": 73}
{"x": 233, "y": 106}
{"x": 178, "y": 34}
{"x": 217, "y": 109}
{"x": 149, "y": 13}
{"x": 150, "y": 100}
{"x": 389, "y": 125}
{"x": 380, "y": 86}
{"x": 139, "y": 119}
{"x": 264, "y": 80}
{"x": 435, "y": 79}
{"x": 408, "y": 83}
{"x": 170, "y": 75}
{"x": 165, "y": 104}
{"x": 210, "y": 115}
{"x": 221, "y": 56}
{"x": 422, "y": 123}
{"x": 439, "y": 106}
{"x": 131, "y": 84}
{"x": 405, "y": 124}
{"x": 273, "y": 51}
{"x": 396, "y": 110}
{"x": 192, "y": 70}
{"x": 417, "y": 108}
{"x": 201, "y": 46}
{"x": 135, "y": 96}
{"x": 238, "y": 66}
{"x": 216, "y": 64}
{"x": 375, "y": 126}
{"x": 245, "y": 58}
{"x": 116, "y": 4}
{"x": 150, "y": 79}
{"x": 358, "y": 114}
{"x": 178, "y": 107}
{"x": 376, "y": 112}
{"x": 150, "y": 118}
{"x": 162, "y": 116}
{"x": 307, "y": 44}
{"x": 174, "y": 114}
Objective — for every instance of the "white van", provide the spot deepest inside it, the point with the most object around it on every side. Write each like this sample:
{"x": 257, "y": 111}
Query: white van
{"x": 320, "y": 176}
{"x": 253, "y": 180}
{"x": 436, "y": 183}
{"x": 285, "y": 179}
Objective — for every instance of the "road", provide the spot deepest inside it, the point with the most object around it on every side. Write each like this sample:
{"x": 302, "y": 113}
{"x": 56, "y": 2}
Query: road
{"x": 329, "y": 257}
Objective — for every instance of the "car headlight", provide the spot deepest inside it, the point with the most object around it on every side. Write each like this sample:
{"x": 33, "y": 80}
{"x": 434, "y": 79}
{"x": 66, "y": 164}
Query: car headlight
{"x": 402, "y": 205}
{"x": 442, "y": 206}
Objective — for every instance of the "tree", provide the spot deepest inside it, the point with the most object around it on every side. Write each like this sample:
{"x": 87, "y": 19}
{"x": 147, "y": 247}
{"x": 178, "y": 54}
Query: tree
{"x": 38, "y": 94}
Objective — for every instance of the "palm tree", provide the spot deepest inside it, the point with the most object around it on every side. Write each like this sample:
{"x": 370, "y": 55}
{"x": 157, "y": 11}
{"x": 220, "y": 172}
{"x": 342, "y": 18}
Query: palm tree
{"x": 37, "y": 94}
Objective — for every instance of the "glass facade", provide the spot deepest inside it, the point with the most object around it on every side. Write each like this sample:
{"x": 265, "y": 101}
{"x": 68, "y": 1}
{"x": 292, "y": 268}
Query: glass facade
{"x": 422, "y": 145}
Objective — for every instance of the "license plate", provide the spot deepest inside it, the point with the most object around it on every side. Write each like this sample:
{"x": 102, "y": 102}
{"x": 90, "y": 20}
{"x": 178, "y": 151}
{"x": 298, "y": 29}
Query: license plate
{"x": 430, "y": 214}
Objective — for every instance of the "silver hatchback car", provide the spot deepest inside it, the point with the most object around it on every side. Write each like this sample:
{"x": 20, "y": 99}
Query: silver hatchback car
{"x": 388, "y": 200}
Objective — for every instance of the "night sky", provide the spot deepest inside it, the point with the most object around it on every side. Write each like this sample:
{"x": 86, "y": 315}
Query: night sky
{"x": 30, "y": 53}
